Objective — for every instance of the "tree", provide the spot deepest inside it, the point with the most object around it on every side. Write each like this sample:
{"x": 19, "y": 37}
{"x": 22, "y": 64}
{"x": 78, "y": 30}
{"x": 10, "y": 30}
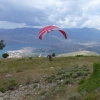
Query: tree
{"x": 2, "y": 45}
{"x": 5, "y": 55}
{"x": 53, "y": 55}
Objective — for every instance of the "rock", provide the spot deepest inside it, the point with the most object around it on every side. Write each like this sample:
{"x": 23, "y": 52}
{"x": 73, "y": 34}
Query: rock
{"x": 74, "y": 97}
{"x": 1, "y": 94}
{"x": 8, "y": 75}
{"x": 51, "y": 67}
{"x": 1, "y": 98}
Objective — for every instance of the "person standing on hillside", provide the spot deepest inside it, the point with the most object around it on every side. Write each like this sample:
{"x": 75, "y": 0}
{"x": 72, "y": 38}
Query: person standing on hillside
{"x": 50, "y": 57}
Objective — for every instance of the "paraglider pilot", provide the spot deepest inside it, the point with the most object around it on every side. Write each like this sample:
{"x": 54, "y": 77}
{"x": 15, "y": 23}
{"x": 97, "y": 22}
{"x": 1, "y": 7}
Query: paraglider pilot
{"x": 50, "y": 57}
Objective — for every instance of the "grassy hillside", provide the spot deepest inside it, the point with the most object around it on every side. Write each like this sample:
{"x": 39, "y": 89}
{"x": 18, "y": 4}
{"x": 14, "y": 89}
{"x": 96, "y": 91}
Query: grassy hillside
{"x": 93, "y": 82}
{"x": 46, "y": 80}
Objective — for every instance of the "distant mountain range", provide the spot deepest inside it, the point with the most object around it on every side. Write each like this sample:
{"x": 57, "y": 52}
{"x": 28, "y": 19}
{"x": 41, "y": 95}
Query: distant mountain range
{"x": 78, "y": 38}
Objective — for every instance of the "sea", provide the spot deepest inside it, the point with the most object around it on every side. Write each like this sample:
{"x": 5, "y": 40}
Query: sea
{"x": 29, "y": 50}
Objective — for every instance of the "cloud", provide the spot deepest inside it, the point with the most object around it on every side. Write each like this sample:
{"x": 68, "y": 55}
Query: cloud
{"x": 7, "y": 25}
{"x": 90, "y": 44}
{"x": 64, "y": 13}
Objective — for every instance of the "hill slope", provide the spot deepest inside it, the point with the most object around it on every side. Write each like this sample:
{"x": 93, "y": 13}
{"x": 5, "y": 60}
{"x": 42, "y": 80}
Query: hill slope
{"x": 41, "y": 79}
{"x": 80, "y": 53}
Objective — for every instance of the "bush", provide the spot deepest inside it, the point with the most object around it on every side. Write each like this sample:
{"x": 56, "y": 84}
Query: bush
{"x": 35, "y": 85}
{"x": 92, "y": 96}
{"x": 79, "y": 55}
{"x": 53, "y": 55}
{"x": 67, "y": 81}
{"x": 29, "y": 81}
{"x": 30, "y": 57}
{"x": 67, "y": 74}
{"x": 12, "y": 85}
{"x": 19, "y": 70}
{"x": 5, "y": 55}
{"x": 93, "y": 81}
{"x": 50, "y": 79}
{"x": 81, "y": 81}
{"x": 79, "y": 73}
{"x": 2, "y": 89}
{"x": 96, "y": 69}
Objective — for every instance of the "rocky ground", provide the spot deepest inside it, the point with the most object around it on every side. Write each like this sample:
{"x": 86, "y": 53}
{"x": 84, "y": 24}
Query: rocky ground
{"x": 49, "y": 86}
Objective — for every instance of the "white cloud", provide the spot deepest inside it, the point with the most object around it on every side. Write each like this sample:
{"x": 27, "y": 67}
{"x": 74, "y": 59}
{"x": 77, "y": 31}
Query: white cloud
{"x": 7, "y": 25}
{"x": 90, "y": 44}
{"x": 92, "y": 21}
{"x": 64, "y": 13}
{"x": 12, "y": 25}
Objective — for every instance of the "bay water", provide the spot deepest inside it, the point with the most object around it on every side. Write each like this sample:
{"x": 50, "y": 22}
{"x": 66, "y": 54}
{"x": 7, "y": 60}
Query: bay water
{"x": 26, "y": 50}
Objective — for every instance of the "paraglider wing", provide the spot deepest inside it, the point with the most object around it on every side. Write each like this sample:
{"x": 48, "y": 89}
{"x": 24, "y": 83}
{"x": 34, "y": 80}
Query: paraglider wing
{"x": 47, "y": 29}
{"x": 63, "y": 33}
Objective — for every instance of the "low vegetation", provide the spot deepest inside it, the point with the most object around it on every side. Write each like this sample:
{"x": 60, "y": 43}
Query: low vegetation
{"x": 63, "y": 78}
{"x": 5, "y": 55}
{"x": 93, "y": 82}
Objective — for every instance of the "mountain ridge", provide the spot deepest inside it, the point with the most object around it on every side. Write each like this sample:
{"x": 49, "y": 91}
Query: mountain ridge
{"x": 78, "y": 38}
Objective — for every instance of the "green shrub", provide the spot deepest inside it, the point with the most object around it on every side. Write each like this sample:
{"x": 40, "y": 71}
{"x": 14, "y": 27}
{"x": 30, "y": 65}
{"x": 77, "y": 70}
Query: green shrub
{"x": 43, "y": 92}
{"x": 2, "y": 89}
{"x": 74, "y": 75}
{"x": 93, "y": 81}
{"x": 79, "y": 55}
{"x": 12, "y": 85}
{"x": 92, "y": 96}
{"x": 35, "y": 99}
{"x": 50, "y": 79}
{"x": 79, "y": 73}
{"x": 35, "y": 85}
{"x": 5, "y": 55}
{"x": 36, "y": 81}
{"x": 30, "y": 57}
{"x": 29, "y": 81}
{"x": 53, "y": 55}
{"x": 59, "y": 72}
{"x": 67, "y": 81}
{"x": 81, "y": 81}
{"x": 96, "y": 69}
{"x": 84, "y": 73}
{"x": 67, "y": 74}
{"x": 19, "y": 70}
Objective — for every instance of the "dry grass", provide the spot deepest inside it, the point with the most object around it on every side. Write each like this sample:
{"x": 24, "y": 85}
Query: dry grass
{"x": 25, "y": 69}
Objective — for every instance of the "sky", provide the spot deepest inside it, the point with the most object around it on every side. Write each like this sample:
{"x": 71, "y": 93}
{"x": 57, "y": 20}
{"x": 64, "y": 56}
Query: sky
{"x": 39, "y": 13}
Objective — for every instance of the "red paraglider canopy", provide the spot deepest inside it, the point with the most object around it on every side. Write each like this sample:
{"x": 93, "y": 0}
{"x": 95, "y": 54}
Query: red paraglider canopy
{"x": 47, "y": 29}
